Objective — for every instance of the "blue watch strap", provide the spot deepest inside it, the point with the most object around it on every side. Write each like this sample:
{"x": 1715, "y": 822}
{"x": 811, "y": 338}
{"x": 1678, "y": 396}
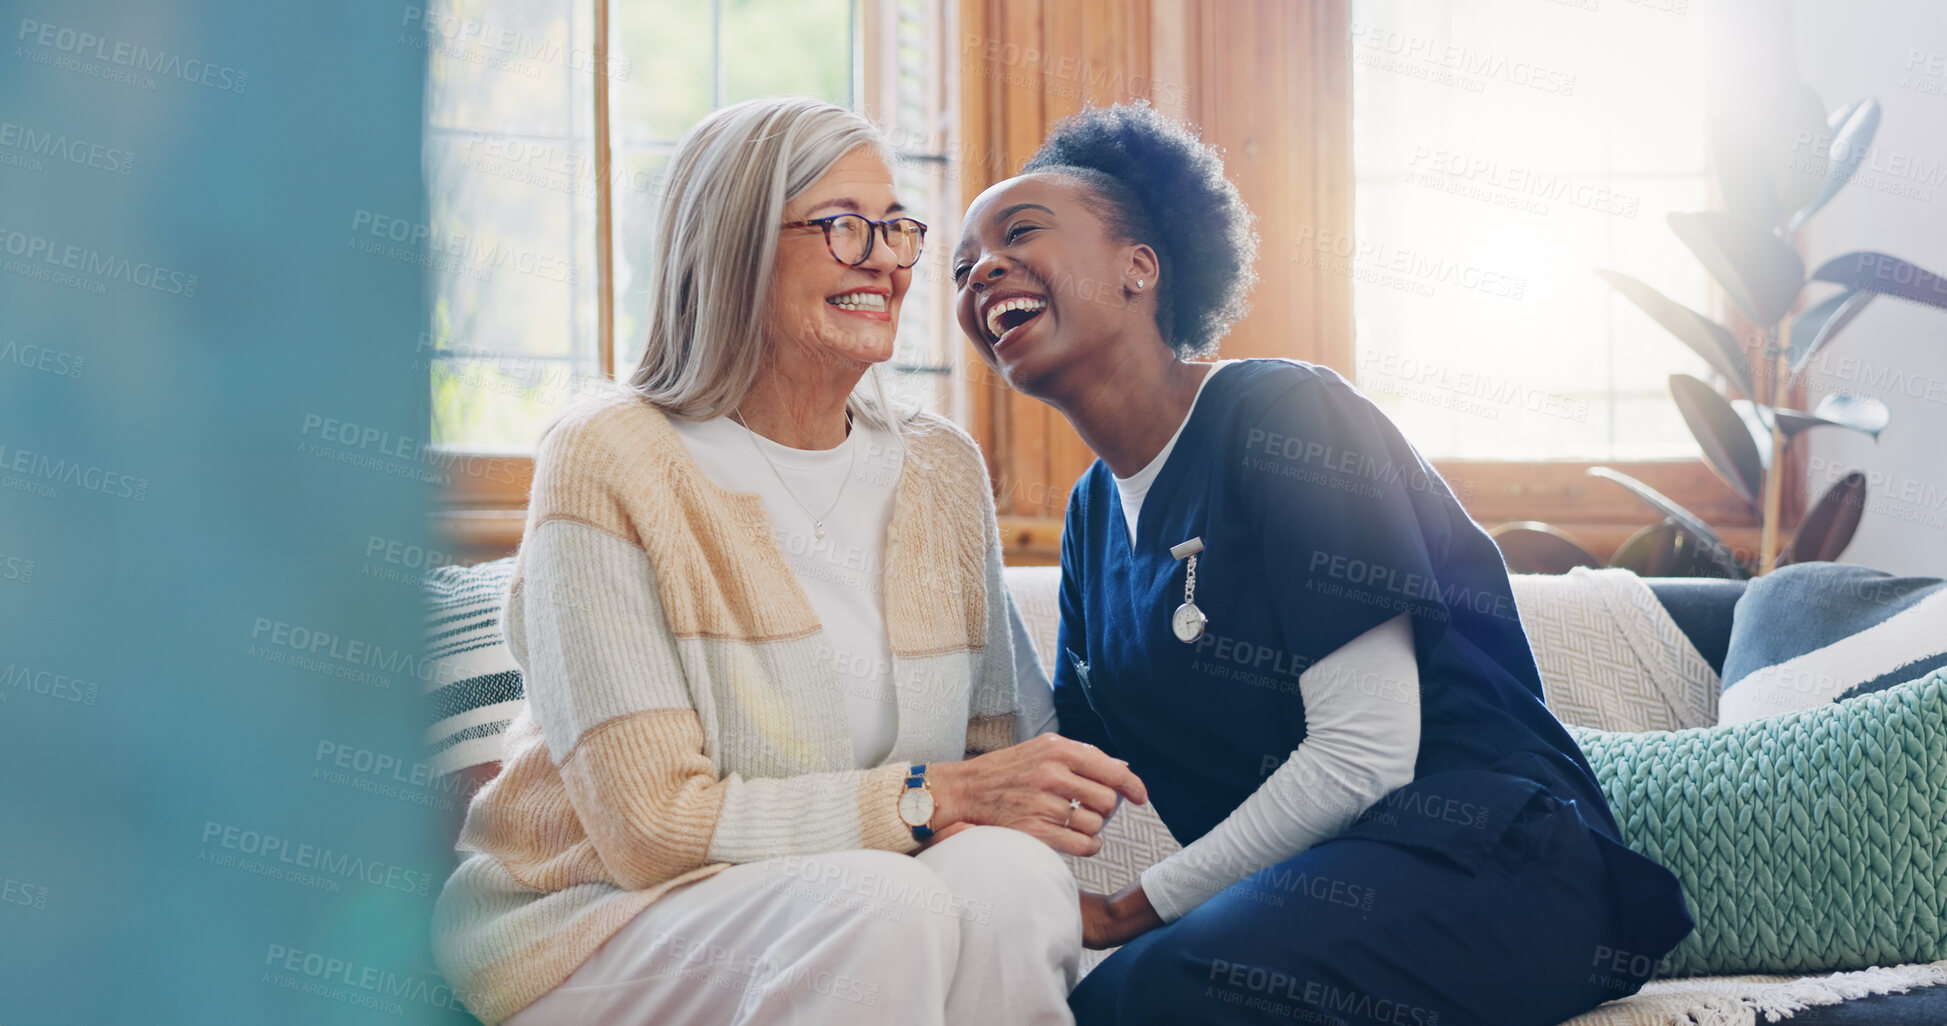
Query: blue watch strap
{"x": 917, "y": 778}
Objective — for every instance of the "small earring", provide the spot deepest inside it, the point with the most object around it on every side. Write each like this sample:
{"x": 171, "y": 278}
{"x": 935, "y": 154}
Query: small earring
{"x": 1139, "y": 284}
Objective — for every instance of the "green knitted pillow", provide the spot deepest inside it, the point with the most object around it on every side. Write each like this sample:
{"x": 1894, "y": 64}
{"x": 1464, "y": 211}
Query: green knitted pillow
{"x": 1816, "y": 840}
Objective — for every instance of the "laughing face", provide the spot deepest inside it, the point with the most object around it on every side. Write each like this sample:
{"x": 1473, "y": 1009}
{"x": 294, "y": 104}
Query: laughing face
{"x": 823, "y": 309}
{"x": 1042, "y": 287}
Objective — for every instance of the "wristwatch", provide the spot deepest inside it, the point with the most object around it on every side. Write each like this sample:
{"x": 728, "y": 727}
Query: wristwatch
{"x": 916, "y": 803}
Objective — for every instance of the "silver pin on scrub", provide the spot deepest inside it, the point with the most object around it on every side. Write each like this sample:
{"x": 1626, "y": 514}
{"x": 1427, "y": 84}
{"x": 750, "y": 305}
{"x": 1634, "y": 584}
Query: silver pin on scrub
{"x": 1188, "y": 621}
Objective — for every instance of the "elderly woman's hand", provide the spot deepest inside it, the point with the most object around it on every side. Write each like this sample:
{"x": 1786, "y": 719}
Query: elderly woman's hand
{"x": 1030, "y": 786}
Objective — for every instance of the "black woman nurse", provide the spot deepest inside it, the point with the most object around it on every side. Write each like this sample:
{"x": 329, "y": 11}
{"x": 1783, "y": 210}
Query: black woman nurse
{"x": 1276, "y": 611}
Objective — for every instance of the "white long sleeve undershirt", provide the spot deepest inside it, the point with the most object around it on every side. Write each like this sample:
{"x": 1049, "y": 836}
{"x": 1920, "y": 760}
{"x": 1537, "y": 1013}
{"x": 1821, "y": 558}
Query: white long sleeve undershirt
{"x": 1362, "y": 739}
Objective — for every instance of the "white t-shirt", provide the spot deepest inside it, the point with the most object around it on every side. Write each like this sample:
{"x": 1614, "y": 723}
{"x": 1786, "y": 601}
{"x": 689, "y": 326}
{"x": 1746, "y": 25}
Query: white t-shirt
{"x": 843, "y": 573}
{"x": 1136, "y": 486}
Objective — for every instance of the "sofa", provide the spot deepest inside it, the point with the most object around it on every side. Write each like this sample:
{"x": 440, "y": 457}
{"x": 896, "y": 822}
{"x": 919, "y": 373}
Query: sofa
{"x": 1620, "y": 657}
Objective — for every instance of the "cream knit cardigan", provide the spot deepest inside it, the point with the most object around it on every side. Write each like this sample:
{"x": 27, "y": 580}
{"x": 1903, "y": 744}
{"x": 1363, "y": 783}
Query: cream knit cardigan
{"x": 683, "y": 711}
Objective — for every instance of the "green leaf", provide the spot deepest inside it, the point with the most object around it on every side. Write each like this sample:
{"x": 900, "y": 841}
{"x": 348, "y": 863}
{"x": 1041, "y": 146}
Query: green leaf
{"x": 1853, "y": 128}
{"x": 1664, "y": 550}
{"x": 1827, "y": 529}
{"x": 1754, "y": 420}
{"x": 1863, "y": 414}
{"x": 1705, "y": 337}
{"x": 1727, "y": 443}
{"x": 1532, "y": 547}
{"x": 1650, "y": 552}
{"x": 1840, "y": 115}
{"x": 1860, "y": 413}
{"x": 1801, "y": 165}
{"x": 1889, "y": 275}
{"x": 1761, "y": 272}
{"x": 1818, "y": 324}
{"x": 1709, "y": 543}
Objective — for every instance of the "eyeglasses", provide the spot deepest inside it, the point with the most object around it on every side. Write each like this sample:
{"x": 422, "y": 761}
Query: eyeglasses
{"x": 850, "y": 237}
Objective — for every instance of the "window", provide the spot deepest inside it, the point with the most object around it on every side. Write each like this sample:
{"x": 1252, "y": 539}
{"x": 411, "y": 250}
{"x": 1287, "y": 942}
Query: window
{"x": 510, "y": 173}
{"x": 906, "y": 78}
{"x": 1502, "y": 153}
{"x": 518, "y": 95}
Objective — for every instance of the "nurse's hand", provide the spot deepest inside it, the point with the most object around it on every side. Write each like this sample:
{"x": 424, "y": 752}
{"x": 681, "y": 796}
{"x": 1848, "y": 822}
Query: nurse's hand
{"x": 1029, "y": 787}
{"x": 1110, "y": 921}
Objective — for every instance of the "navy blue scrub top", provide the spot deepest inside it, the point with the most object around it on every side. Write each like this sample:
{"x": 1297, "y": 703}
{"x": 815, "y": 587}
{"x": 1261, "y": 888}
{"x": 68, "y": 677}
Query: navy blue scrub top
{"x": 1319, "y": 522}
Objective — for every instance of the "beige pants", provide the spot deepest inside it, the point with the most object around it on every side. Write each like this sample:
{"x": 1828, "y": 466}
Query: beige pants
{"x": 983, "y": 928}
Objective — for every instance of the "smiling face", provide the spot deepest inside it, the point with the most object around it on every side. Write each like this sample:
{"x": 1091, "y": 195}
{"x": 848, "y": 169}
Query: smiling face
{"x": 1042, "y": 286}
{"x": 823, "y": 309}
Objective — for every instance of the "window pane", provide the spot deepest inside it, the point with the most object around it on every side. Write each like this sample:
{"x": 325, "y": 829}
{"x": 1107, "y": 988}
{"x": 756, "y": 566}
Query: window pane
{"x": 514, "y": 268}
{"x": 510, "y": 241}
{"x": 801, "y": 47}
{"x": 1502, "y": 154}
{"x": 501, "y": 66}
{"x": 636, "y": 201}
{"x": 769, "y": 47}
{"x": 921, "y": 365}
{"x": 667, "y": 48}
{"x": 910, "y": 105}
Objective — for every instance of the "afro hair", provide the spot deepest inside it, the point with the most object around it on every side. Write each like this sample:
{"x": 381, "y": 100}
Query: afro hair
{"x": 1162, "y": 187}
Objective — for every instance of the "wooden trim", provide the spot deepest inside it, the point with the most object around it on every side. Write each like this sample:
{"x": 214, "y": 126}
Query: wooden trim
{"x": 1599, "y": 513}
{"x": 1563, "y": 493}
{"x": 868, "y": 50}
{"x": 474, "y": 536}
{"x": 1031, "y": 541}
{"x": 1604, "y": 539}
{"x": 486, "y": 501}
{"x": 485, "y": 480}
{"x": 604, "y": 204}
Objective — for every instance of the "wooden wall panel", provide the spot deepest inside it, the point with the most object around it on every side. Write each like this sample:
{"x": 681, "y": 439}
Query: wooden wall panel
{"x": 979, "y": 126}
{"x": 1025, "y": 113}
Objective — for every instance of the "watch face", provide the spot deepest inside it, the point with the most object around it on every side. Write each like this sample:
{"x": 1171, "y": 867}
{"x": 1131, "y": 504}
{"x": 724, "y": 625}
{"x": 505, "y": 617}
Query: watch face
{"x": 1188, "y": 622}
{"x": 916, "y": 806}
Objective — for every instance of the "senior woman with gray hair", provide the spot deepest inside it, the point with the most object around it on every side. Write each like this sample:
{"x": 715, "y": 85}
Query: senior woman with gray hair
{"x": 768, "y": 768}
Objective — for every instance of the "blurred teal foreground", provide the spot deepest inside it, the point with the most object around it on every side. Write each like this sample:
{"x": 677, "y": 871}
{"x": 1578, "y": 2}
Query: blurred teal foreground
{"x": 211, "y": 436}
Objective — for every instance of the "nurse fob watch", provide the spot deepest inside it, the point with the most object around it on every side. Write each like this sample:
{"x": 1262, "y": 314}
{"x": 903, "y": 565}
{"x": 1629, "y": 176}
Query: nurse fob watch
{"x": 1188, "y": 621}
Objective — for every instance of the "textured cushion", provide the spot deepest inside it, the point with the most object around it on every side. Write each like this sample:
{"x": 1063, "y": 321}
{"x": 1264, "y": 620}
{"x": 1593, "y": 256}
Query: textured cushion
{"x": 475, "y": 686}
{"x": 1610, "y": 655}
{"x": 1812, "y": 840}
{"x": 1813, "y": 633}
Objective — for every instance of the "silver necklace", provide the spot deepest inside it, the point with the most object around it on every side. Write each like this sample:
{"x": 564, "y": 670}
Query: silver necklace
{"x": 817, "y": 520}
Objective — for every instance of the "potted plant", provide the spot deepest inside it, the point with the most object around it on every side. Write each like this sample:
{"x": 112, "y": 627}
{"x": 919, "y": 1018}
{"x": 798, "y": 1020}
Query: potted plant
{"x": 1740, "y": 420}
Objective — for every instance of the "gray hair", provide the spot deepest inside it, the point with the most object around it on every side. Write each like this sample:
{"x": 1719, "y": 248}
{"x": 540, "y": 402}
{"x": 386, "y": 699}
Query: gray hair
{"x": 716, "y": 248}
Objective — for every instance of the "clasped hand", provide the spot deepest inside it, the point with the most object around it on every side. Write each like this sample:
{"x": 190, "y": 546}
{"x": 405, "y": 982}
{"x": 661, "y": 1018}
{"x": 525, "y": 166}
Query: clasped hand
{"x": 1030, "y": 787}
